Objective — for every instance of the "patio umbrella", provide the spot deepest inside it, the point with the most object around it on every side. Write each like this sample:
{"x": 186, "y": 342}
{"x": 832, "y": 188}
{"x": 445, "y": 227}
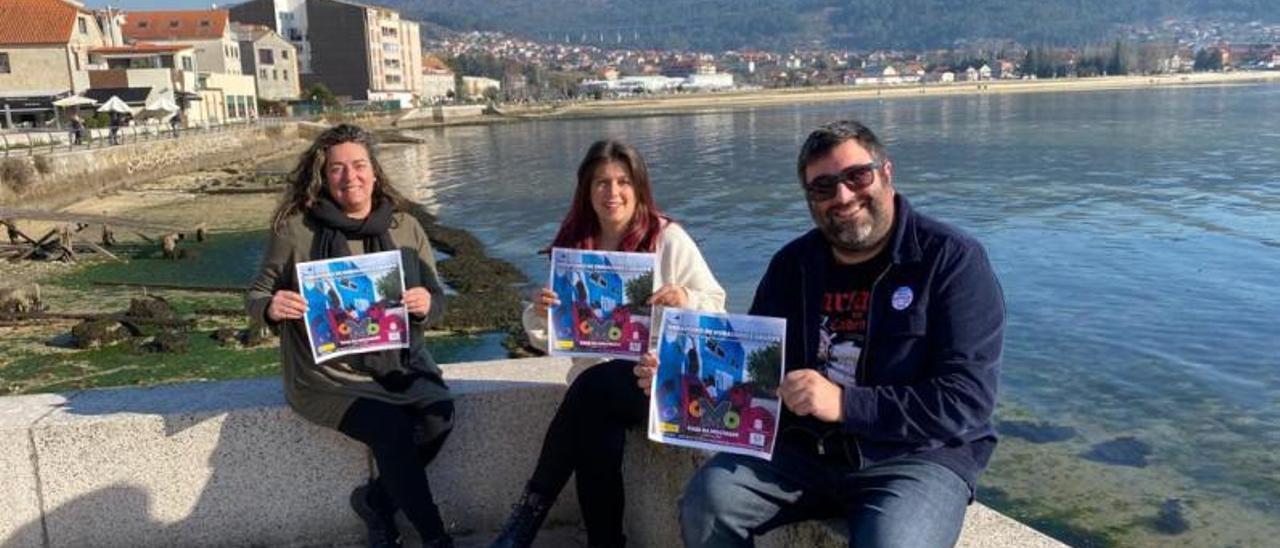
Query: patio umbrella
{"x": 74, "y": 101}
{"x": 114, "y": 104}
{"x": 160, "y": 107}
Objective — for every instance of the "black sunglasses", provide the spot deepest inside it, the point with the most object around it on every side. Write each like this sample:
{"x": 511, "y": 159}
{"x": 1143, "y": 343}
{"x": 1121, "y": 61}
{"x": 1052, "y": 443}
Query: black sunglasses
{"x": 823, "y": 187}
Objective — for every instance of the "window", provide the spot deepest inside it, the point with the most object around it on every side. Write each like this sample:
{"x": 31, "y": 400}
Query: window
{"x": 266, "y": 57}
{"x": 286, "y": 74}
{"x": 275, "y": 74}
{"x": 186, "y": 64}
{"x": 204, "y": 23}
{"x": 284, "y": 54}
{"x": 173, "y": 23}
{"x": 4, "y": 63}
{"x": 84, "y": 26}
{"x": 393, "y": 79}
{"x": 262, "y": 73}
{"x": 142, "y": 24}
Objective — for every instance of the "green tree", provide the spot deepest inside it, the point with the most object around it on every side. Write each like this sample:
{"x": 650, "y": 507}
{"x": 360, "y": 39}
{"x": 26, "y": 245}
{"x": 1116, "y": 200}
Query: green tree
{"x": 1208, "y": 59}
{"x": 765, "y": 367}
{"x": 320, "y": 94}
{"x": 389, "y": 285}
{"x": 460, "y": 88}
{"x": 639, "y": 289}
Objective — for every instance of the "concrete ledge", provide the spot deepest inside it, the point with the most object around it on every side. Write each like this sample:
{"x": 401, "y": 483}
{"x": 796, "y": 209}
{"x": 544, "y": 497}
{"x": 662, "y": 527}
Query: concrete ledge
{"x": 228, "y": 464}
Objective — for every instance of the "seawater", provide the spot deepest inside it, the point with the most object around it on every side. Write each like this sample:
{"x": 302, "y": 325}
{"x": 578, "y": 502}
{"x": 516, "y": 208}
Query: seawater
{"x": 1136, "y": 235}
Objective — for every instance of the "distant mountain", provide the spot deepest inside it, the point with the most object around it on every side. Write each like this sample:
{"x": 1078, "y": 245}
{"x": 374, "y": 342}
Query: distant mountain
{"x": 730, "y": 24}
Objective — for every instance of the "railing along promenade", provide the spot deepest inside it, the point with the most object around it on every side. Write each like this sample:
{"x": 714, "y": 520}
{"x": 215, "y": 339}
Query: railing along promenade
{"x": 31, "y": 142}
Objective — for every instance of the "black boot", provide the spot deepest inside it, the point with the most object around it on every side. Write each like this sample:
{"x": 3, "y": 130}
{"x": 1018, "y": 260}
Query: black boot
{"x": 526, "y": 518}
{"x": 379, "y": 521}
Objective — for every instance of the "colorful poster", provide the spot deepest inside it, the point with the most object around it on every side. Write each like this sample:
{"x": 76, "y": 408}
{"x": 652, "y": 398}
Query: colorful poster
{"x": 717, "y": 382}
{"x": 353, "y": 304}
{"x": 603, "y": 310}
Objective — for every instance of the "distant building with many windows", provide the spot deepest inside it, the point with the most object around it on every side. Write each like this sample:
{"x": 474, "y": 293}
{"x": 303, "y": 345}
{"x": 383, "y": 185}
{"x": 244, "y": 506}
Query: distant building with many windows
{"x": 357, "y": 50}
{"x": 208, "y": 31}
{"x": 272, "y": 61}
{"x": 44, "y": 55}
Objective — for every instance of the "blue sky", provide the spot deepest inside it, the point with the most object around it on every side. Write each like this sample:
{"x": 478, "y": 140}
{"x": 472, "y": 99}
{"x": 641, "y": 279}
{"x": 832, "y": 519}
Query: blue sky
{"x": 156, "y": 4}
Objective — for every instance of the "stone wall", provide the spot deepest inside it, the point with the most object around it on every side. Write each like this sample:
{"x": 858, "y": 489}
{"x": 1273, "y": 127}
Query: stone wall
{"x": 67, "y": 177}
{"x": 228, "y": 464}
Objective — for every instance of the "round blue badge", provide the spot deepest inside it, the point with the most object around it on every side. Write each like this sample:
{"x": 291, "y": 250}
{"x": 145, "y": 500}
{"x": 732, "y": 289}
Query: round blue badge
{"x": 902, "y": 298}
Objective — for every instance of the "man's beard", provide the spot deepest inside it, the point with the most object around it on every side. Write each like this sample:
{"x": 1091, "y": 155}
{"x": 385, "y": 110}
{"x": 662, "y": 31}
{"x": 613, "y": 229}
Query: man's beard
{"x": 850, "y": 234}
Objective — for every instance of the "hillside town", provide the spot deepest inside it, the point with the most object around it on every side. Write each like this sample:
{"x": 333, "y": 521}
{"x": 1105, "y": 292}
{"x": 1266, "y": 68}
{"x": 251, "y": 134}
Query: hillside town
{"x": 64, "y": 64}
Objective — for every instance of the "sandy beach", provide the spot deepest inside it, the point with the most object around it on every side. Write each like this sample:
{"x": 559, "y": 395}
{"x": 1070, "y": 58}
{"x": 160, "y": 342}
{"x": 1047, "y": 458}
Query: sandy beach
{"x": 712, "y": 102}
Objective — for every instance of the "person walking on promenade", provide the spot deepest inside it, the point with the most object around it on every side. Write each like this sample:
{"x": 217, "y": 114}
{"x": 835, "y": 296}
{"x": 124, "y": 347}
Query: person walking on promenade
{"x": 114, "y": 120}
{"x": 613, "y": 209}
{"x": 339, "y": 202}
{"x": 77, "y": 129}
{"x": 175, "y": 123}
{"x": 895, "y": 328}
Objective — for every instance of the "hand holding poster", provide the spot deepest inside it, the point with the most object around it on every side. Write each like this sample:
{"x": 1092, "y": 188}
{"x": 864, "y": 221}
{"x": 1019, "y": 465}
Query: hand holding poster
{"x": 717, "y": 382}
{"x": 353, "y": 304}
{"x": 603, "y": 310}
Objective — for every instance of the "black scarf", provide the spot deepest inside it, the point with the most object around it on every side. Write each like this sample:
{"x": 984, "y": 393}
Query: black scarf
{"x": 333, "y": 232}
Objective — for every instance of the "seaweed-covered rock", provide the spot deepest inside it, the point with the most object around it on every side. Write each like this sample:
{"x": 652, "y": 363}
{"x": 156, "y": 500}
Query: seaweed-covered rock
{"x": 97, "y": 333}
{"x": 476, "y": 274}
{"x": 1122, "y": 451}
{"x": 152, "y": 307}
{"x": 1171, "y": 519}
{"x": 482, "y": 311}
{"x": 256, "y": 335}
{"x": 168, "y": 342}
{"x": 517, "y": 344}
{"x": 20, "y": 300}
{"x": 226, "y": 336}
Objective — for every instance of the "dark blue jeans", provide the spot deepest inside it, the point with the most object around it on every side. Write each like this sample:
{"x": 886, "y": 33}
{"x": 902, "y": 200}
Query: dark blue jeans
{"x": 900, "y": 503}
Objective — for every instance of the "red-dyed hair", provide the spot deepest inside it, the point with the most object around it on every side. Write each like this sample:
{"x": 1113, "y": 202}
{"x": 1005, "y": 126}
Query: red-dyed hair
{"x": 581, "y": 226}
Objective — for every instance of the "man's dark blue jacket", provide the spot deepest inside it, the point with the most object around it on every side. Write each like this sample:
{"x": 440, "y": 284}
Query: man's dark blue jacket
{"x": 928, "y": 371}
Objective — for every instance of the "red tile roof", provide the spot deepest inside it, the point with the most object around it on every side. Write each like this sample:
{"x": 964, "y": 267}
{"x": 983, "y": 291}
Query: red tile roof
{"x": 37, "y": 21}
{"x": 142, "y": 48}
{"x": 175, "y": 25}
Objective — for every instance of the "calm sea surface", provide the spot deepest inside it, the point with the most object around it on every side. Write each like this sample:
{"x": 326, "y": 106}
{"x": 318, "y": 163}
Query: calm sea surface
{"x": 1136, "y": 233}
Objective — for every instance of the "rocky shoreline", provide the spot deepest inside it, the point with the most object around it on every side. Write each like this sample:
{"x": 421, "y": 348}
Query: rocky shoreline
{"x": 42, "y": 351}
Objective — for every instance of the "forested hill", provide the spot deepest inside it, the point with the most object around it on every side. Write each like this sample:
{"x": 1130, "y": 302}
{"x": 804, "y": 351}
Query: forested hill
{"x": 729, "y": 24}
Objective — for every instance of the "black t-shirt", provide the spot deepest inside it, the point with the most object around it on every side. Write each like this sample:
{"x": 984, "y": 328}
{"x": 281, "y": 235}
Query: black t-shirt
{"x": 846, "y": 300}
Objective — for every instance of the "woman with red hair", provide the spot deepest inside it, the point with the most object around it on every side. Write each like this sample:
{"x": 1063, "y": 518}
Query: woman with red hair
{"x": 613, "y": 210}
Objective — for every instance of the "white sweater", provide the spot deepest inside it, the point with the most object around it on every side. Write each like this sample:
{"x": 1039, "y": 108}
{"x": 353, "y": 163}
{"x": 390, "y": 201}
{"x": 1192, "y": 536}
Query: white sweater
{"x": 679, "y": 263}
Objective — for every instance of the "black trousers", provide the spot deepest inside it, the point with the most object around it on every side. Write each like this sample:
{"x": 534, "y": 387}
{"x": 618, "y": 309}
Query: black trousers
{"x": 586, "y": 439}
{"x": 403, "y": 439}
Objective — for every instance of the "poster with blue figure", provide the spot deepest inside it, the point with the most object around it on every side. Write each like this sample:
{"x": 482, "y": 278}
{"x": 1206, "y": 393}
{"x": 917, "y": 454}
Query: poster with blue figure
{"x": 717, "y": 381}
{"x": 603, "y": 310}
{"x": 354, "y": 304}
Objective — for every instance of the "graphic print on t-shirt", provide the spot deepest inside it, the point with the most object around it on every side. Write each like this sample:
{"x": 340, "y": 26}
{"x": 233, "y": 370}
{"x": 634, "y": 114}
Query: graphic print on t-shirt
{"x": 841, "y": 333}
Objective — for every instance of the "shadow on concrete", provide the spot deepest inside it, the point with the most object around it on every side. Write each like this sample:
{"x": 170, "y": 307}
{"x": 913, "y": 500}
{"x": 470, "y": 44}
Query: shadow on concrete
{"x": 224, "y": 463}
